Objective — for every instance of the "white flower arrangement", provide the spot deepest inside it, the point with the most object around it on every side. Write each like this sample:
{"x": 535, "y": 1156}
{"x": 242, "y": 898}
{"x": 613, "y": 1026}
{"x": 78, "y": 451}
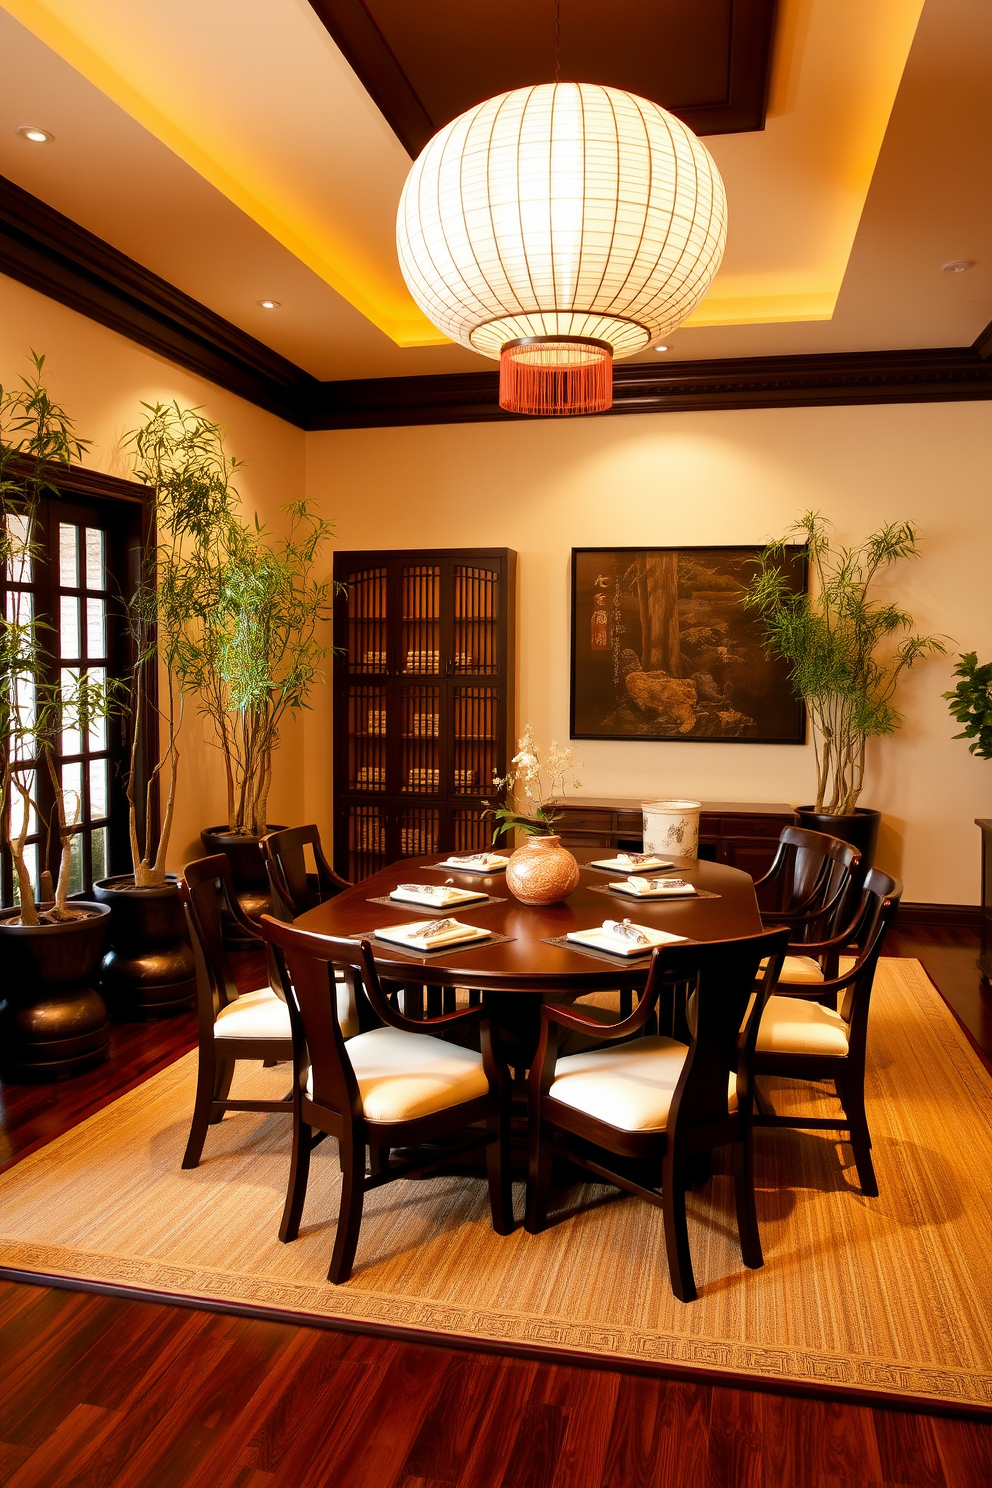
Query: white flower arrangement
{"x": 542, "y": 782}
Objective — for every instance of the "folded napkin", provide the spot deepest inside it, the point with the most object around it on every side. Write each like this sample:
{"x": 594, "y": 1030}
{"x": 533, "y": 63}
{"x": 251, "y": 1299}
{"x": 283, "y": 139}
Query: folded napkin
{"x": 623, "y": 938}
{"x": 476, "y": 862}
{"x": 428, "y": 935}
{"x": 626, "y": 862}
{"x": 654, "y": 888}
{"x": 440, "y": 894}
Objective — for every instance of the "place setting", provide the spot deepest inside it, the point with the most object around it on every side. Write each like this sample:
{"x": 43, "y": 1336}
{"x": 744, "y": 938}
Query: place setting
{"x": 667, "y": 887}
{"x": 429, "y": 938}
{"x": 615, "y": 940}
{"x": 437, "y": 898}
{"x": 630, "y": 862}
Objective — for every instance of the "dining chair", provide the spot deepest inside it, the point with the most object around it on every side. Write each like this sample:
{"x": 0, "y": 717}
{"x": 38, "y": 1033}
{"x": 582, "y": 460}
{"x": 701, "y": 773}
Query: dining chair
{"x": 232, "y": 1025}
{"x": 294, "y": 888}
{"x": 808, "y": 887}
{"x": 396, "y": 1084}
{"x": 799, "y": 1038}
{"x": 657, "y": 1099}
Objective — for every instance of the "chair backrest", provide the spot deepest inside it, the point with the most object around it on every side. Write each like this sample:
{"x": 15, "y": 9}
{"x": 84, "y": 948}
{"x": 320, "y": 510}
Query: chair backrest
{"x": 879, "y": 903}
{"x": 294, "y": 889}
{"x": 811, "y": 874}
{"x": 719, "y": 979}
{"x": 206, "y": 886}
{"x": 307, "y": 964}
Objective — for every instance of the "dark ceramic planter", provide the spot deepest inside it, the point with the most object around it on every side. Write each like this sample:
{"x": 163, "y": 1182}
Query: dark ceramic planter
{"x": 861, "y": 830}
{"x": 54, "y": 1021}
{"x": 251, "y": 882}
{"x": 148, "y": 969}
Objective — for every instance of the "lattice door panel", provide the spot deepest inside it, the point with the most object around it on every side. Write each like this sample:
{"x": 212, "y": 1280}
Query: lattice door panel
{"x": 366, "y": 828}
{"x": 420, "y": 722}
{"x": 367, "y": 733}
{"x": 367, "y": 621}
{"x": 475, "y": 716}
{"x": 476, "y": 601}
{"x": 420, "y": 589}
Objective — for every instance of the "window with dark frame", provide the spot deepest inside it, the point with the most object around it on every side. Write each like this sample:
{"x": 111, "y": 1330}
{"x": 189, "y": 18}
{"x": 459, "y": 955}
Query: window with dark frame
{"x": 88, "y": 552}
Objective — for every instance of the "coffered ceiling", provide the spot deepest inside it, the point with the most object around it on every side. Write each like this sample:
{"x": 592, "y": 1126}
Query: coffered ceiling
{"x": 234, "y": 150}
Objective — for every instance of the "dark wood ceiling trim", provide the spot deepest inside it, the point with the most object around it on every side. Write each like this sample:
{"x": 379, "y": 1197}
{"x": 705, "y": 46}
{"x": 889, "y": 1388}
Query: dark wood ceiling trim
{"x": 926, "y": 376}
{"x": 47, "y": 251}
{"x": 367, "y": 50}
{"x": 51, "y": 253}
{"x": 80, "y": 480}
{"x": 361, "y": 41}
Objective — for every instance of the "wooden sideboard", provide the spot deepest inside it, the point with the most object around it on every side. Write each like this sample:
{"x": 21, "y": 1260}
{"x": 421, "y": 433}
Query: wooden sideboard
{"x": 742, "y": 834}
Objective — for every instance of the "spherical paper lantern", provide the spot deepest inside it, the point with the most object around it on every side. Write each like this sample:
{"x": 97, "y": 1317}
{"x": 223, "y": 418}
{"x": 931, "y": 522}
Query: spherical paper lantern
{"x": 557, "y": 227}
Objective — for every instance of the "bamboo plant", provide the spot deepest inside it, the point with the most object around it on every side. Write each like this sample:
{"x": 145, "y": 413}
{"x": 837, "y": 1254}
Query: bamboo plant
{"x": 239, "y": 611}
{"x": 846, "y": 648}
{"x": 36, "y": 437}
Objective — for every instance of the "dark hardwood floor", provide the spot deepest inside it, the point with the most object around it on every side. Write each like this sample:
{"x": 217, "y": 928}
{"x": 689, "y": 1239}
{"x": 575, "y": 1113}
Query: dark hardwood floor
{"x": 100, "y": 1392}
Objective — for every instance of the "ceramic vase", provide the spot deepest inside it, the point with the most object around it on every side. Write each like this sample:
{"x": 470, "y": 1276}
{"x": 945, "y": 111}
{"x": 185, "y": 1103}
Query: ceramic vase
{"x": 542, "y": 871}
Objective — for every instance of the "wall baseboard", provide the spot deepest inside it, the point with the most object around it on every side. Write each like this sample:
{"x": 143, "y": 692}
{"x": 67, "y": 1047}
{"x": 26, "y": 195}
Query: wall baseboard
{"x": 947, "y": 916}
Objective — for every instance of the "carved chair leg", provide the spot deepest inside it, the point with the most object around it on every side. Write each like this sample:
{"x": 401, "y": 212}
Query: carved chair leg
{"x": 223, "y": 1075}
{"x": 676, "y": 1229}
{"x": 538, "y": 1181}
{"x": 378, "y": 1160}
{"x": 747, "y": 1214}
{"x": 498, "y": 1170}
{"x": 299, "y": 1172}
{"x": 205, "y": 1085}
{"x": 350, "y": 1213}
{"x": 761, "y": 1105}
{"x": 854, "y": 1105}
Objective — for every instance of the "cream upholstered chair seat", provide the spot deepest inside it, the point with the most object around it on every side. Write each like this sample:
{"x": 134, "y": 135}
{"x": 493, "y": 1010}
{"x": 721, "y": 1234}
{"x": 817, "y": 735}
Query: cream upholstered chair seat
{"x": 798, "y": 971}
{"x": 791, "y": 1025}
{"x": 404, "y": 1075}
{"x": 263, "y": 1014}
{"x": 630, "y": 1086}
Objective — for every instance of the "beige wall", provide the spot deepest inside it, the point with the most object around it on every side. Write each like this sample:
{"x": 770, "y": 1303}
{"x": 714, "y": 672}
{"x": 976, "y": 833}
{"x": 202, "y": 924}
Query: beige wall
{"x": 543, "y": 488}
{"x": 738, "y": 477}
{"x": 102, "y": 379}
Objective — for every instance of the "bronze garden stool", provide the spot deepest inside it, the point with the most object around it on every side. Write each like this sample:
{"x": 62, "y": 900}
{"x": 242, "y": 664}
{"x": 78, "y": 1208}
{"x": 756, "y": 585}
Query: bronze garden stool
{"x": 656, "y": 1099}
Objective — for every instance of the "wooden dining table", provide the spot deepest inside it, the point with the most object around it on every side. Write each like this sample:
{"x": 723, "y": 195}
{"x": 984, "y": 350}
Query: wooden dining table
{"x": 516, "y": 974}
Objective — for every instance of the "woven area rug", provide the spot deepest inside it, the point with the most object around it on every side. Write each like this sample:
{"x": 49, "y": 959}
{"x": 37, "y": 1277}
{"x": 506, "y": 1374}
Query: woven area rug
{"x": 892, "y": 1294}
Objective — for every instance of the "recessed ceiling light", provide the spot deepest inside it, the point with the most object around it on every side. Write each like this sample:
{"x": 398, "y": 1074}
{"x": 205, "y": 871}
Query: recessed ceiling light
{"x": 269, "y": 304}
{"x": 661, "y": 348}
{"x": 34, "y": 134}
{"x": 957, "y": 266}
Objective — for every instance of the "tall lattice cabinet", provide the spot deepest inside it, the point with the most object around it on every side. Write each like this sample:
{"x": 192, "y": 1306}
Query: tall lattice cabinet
{"x": 423, "y": 701}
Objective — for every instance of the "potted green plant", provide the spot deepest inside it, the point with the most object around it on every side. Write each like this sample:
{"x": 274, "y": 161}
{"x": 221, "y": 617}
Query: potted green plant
{"x": 149, "y": 967}
{"x": 54, "y": 1020}
{"x": 971, "y": 703}
{"x": 249, "y": 606}
{"x": 847, "y": 650}
{"x": 540, "y": 871}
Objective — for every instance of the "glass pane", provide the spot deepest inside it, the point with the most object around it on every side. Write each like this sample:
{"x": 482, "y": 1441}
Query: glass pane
{"x": 68, "y": 555}
{"x": 99, "y": 850}
{"x": 69, "y": 620}
{"x": 76, "y": 865}
{"x": 72, "y": 790}
{"x": 94, "y": 559}
{"x": 22, "y": 795}
{"x": 96, "y": 739}
{"x": 18, "y": 556}
{"x": 96, "y": 622}
{"x": 71, "y": 740}
{"x": 98, "y": 790}
{"x": 31, "y": 862}
{"x": 22, "y": 745}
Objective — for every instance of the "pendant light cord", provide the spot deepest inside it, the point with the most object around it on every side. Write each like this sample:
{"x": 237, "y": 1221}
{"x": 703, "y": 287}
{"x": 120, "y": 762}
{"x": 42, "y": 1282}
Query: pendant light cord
{"x": 557, "y": 41}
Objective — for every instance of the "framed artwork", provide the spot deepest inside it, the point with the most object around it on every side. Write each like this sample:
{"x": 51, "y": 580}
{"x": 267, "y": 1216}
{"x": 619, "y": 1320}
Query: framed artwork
{"x": 663, "y": 649}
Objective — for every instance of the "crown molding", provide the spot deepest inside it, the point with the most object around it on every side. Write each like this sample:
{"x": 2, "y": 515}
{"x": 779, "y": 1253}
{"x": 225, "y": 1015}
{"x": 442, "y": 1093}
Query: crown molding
{"x": 47, "y": 251}
{"x": 927, "y": 376}
{"x": 51, "y": 253}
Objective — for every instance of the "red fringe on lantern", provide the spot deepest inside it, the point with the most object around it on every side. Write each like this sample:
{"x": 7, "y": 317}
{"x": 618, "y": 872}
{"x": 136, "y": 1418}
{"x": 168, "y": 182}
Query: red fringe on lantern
{"x": 556, "y": 375}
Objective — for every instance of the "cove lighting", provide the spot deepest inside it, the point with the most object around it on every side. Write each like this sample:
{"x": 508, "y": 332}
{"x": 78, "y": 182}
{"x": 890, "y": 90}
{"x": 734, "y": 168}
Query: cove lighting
{"x": 269, "y": 304}
{"x": 34, "y": 134}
